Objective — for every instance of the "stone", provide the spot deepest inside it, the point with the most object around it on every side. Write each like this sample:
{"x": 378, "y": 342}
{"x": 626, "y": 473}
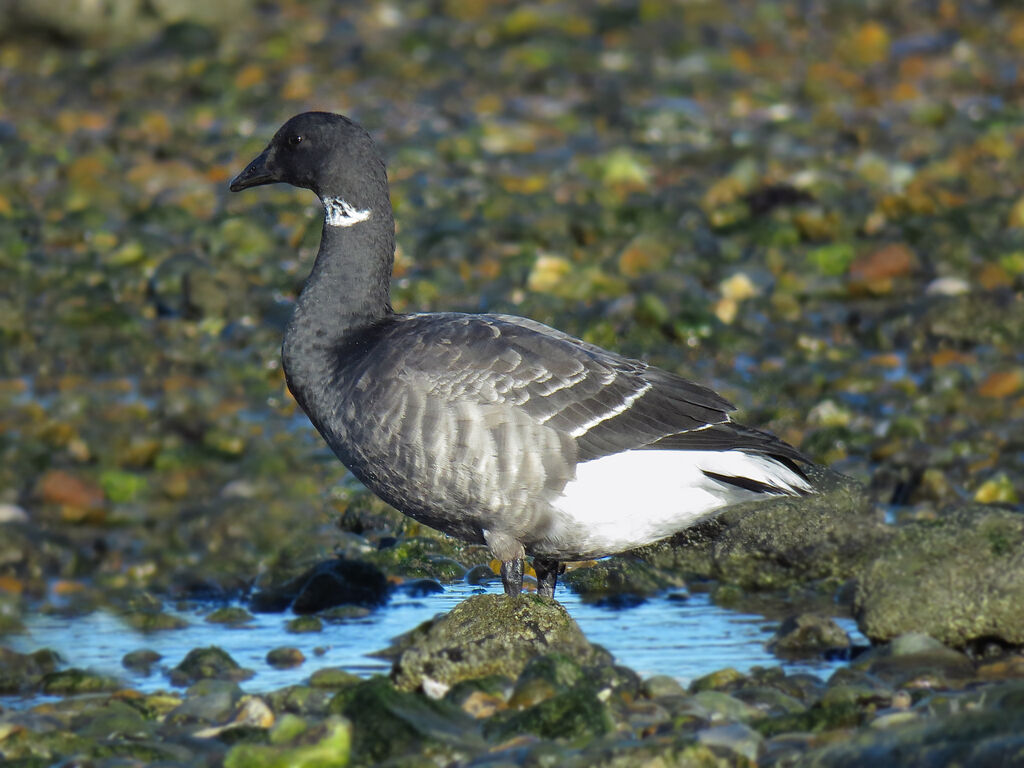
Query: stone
{"x": 285, "y": 657}
{"x": 959, "y": 579}
{"x": 211, "y": 662}
{"x": 69, "y": 682}
{"x": 388, "y": 722}
{"x": 736, "y": 737}
{"x": 141, "y": 661}
{"x": 486, "y": 635}
{"x": 808, "y": 633}
{"x": 324, "y": 745}
{"x": 781, "y": 542}
{"x": 334, "y": 582}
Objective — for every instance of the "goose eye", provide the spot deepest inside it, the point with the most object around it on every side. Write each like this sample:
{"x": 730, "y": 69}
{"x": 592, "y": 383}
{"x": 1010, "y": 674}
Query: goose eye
{"x": 295, "y": 140}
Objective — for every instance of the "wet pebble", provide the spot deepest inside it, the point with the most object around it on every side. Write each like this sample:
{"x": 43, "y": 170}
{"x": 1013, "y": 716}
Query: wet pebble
{"x": 232, "y": 615}
{"x": 141, "y": 661}
{"x": 285, "y": 657}
{"x": 68, "y": 682}
{"x": 208, "y": 663}
{"x": 301, "y": 625}
{"x": 808, "y": 633}
{"x": 332, "y": 678}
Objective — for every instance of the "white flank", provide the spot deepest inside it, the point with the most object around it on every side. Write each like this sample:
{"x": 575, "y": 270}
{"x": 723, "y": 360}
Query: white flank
{"x": 340, "y": 214}
{"x": 582, "y": 429}
{"x": 633, "y": 498}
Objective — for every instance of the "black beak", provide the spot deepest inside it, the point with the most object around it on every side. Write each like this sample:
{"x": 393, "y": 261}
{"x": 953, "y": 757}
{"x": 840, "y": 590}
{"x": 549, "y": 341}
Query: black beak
{"x": 255, "y": 174}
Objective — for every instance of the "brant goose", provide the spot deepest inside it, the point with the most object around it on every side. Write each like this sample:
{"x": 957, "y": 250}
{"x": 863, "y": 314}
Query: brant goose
{"x": 493, "y": 428}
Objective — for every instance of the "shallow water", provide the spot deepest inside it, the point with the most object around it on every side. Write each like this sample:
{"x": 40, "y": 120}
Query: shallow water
{"x": 681, "y": 638}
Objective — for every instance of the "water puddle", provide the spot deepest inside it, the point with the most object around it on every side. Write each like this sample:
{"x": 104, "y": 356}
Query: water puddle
{"x": 681, "y": 638}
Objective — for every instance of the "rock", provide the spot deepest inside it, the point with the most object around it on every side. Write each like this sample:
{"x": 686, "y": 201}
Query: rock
{"x": 735, "y": 737}
{"x": 69, "y": 682}
{"x": 937, "y": 668}
{"x": 325, "y": 585}
{"x": 324, "y": 745}
{"x": 232, "y": 615}
{"x": 12, "y": 513}
{"x": 577, "y": 713}
{"x": 980, "y": 739}
{"x": 959, "y": 579}
{"x": 719, "y": 680}
{"x": 206, "y": 663}
{"x": 252, "y": 714}
{"x": 141, "y": 661}
{"x": 285, "y": 657}
{"x": 115, "y": 21}
{"x": 621, "y": 579}
{"x": 304, "y": 624}
{"x": 995, "y": 317}
{"x": 422, "y": 557}
{"x": 301, "y": 700}
{"x": 22, "y": 671}
{"x": 153, "y": 620}
{"x": 206, "y": 702}
{"x": 420, "y": 587}
{"x": 875, "y": 271}
{"x": 781, "y": 542}
{"x": 388, "y": 722}
{"x": 662, "y": 685}
{"x": 771, "y": 701}
{"x": 481, "y": 574}
{"x": 914, "y": 642}
{"x": 726, "y": 706}
{"x": 808, "y": 633}
{"x": 481, "y": 697}
{"x": 79, "y": 498}
{"x": 333, "y": 678}
{"x": 485, "y": 635}
{"x": 342, "y": 613}
{"x": 115, "y": 719}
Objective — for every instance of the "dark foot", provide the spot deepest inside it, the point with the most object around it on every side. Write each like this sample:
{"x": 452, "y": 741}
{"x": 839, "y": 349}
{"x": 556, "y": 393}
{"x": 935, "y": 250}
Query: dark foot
{"x": 512, "y": 576}
{"x": 547, "y": 574}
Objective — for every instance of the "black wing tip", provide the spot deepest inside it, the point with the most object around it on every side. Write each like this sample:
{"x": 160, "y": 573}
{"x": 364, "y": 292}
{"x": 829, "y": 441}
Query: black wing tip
{"x": 756, "y": 486}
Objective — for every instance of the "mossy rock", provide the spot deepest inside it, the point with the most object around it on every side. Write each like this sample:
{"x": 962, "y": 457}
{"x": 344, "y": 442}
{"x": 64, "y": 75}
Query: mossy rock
{"x": 388, "y": 722}
{"x": 959, "y": 578}
{"x": 781, "y": 542}
{"x": 205, "y": 663}
{"x": 68, "y": 682}
{"x": 982, "y": 739}
{"x": 21, "y": 671}
{"x": 490, "y": 635}
{"x": 620, "y": 579}
{"x": 324, "y": 745}
{"x": 575, "y": 714}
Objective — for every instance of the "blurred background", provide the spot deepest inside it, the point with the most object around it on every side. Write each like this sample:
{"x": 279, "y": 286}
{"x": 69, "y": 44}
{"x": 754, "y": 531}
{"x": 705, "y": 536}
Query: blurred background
{"x": 815, "y": 208}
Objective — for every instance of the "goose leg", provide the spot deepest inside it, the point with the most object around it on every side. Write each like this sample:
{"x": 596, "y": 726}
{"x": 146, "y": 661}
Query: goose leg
{"x": 547, "y": 575}
{"x": 510, "y": 552}
{"x": 512, "y": 576}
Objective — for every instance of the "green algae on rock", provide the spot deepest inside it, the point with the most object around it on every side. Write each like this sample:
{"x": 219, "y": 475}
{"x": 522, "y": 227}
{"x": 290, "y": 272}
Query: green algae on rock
{"x": 322, "y": 745}
{"x": 388, "y": 722}
{"x": 489, "y": 634}
{"x": 958, "y": 578}
{"x": 211, "y": 662}
{"x": 781, "y": 542}
{"x": 808, "y": 633}
{"x": 68, "y": 682}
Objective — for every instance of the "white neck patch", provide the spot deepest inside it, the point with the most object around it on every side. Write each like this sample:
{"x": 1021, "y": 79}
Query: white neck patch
{"x": 341, "y": 214}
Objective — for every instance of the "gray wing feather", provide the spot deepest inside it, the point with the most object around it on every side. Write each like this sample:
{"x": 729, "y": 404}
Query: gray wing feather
{"x": 605, "y": 402}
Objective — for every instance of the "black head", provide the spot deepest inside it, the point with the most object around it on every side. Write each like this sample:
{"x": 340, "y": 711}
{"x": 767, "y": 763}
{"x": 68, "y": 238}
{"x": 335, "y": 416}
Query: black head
{"x": 324, "y": 152}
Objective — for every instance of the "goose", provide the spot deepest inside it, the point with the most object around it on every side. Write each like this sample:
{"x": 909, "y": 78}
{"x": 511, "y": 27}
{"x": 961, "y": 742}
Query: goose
{"x": 493, "y": 428}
